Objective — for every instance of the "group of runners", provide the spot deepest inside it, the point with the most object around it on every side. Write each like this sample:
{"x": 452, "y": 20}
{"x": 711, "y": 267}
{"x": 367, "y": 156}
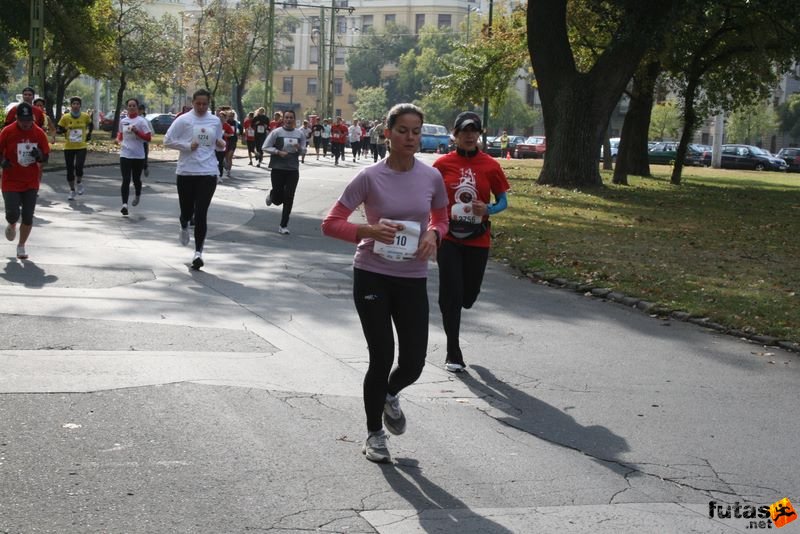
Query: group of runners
{"x": 414, "y": 212}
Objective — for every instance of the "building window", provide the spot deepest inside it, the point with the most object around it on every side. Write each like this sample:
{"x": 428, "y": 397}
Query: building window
{"x": 388, "y": 19}
{"x": 337, "y": 112}
{"x": 288, "y": 53}
{"x": 341, "y": 25}
{"x": 341, "y": 3}
{"x": 288, "y": 83}
{"x": 314, "y": 55}
{"x": 444, "y": 21}
{"x": 311, "y": 88}
{"x": 351, "y": 98}
{"x": 289, "y": 3}
{"x": 366, "y": 23}
{"x": 337, "y": 86}
{"x": 340, "y": 56}
{"x": 419, "y": 23}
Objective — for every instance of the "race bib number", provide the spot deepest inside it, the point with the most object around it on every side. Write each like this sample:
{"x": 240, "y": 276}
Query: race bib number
{"x": 75, "y": 135}
{"x": 290, "y": 145}
{"x": 463, "y": 213}
{"x": 316, "y": 133}
{"x": 202, "y": 136}
{"x": 260, "y": 128}
{"x": 24, "y": 154}
{"x": 250, "y": 132}
{"x": 405, "y": 242}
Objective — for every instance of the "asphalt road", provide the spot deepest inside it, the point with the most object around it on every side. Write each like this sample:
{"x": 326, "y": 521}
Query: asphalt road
{"x": 137, "y": 395}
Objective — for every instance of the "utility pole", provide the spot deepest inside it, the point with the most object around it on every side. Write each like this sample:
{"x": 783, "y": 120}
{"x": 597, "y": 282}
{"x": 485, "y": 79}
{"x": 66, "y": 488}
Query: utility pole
{"x": 331, "y": 61}
{"x": 321, "y": 59}
{"x": 269, "y": 67}
{"x": 486, "y": 97}
{"x": 36, "y": 47}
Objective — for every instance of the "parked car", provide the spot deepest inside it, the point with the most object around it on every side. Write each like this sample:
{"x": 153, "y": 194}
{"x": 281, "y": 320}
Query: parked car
{"x": 435, "y": 137}
{"x": 160, "y": 122}
{"x": 107, "y": 121}
{"x": 493, "y": 148}
{"x": 614, "y": 142}
{"x": 747, "y": 157}
{"x": 792, "y": 158}
{"x": 533, "y": 147}
{"x": 664, "y": 153}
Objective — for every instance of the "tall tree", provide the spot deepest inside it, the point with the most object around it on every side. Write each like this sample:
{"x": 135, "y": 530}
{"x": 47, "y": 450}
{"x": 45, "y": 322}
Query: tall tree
{"x": 577, "y": 102}
{"x": 632, "y": 151}
{"x": 144, "y": 48}
{"x": 371, "y": 103}
{"x": 206, "y": 56}
{"x": 76, "y": 41}
{"x": 374, "y": 51}
{"x": 751, "y": 124}
{"x": 484, "y": 68}
{"x": 418, "y": 67}
{"x": 789, "y": 113}
{"x": 744, "y": 46}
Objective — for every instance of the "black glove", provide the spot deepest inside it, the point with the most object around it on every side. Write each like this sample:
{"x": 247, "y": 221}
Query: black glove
{"x": 89, "y": 136}
{"x": 5, "y": 164}
{"x": 37, "y": 154}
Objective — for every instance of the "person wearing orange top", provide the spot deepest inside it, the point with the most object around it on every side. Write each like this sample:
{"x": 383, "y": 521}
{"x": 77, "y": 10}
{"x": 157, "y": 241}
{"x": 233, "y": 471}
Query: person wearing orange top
{"x": 23, "y": 148}
{"x": 339, "y": 135}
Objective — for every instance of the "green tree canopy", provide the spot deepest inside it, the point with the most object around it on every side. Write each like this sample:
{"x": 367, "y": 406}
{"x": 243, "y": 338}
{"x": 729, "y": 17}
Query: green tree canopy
{"x": 374, "y": 51}
{"x": 371, "y": 103}
{"x": 751, "y": 124}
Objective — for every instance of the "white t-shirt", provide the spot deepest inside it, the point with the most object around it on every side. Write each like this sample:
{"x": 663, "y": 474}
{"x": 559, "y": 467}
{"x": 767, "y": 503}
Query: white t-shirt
{"x": 132, "y": 146}
{"x": 206, "y": 130}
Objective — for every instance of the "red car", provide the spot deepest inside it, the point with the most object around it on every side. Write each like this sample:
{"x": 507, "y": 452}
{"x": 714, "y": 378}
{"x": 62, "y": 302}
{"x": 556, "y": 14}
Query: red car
{"x": 533, "y": 147}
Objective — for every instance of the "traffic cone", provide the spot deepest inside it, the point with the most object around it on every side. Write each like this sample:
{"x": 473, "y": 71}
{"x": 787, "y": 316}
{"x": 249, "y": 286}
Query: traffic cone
{"x": 438, "y": 149}
{"x": 508, "y": 154}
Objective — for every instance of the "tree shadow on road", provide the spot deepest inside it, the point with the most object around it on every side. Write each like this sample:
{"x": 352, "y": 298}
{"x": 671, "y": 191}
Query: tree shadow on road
{"x": 537, "y": 418}
{"x": 27, "y": 273}
{"x": 432, "y": 501}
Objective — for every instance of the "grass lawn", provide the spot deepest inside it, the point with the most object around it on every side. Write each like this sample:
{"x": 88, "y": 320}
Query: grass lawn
{"x": 724, "y": 244}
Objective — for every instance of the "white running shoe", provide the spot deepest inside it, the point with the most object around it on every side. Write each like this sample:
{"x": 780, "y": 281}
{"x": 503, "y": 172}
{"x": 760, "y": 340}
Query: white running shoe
{"x": 454, "y": 367}
{"x": 197, "y": 262}
{"x": 375, "y": 447}
{"x": 11, "y": 232}
{"x": 184, "y": 236}
{"x": 135, "y": 200}
{"x": 283, "y": 230}
{"x": 80, "y": 189}
{"x": 21, "y": 254}
{"x": 393, "y": 418}
{"x": 71, "y": 195}
{"x": 268, "y": 200}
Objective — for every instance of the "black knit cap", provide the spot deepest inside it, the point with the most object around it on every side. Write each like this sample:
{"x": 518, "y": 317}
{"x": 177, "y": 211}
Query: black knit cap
{"x": 24, "y": 112}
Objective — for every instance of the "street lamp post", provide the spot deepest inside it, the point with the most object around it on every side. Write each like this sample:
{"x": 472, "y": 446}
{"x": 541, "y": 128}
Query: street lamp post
{"x": 270, "y": 61}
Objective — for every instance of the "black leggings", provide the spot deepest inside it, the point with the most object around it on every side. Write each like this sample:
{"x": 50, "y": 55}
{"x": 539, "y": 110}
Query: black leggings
{"x": 74, "y": 159}
{"x": 16, "y": 200}
{"x": 131, "y": 168}
{"x": 260, "y": 138}
{"x": 461, "y": 271}
{"x": 284, "y": 185}
{"x": 194, "y": 197}
{"x": 380, "y": 301}
{"x": 220, "y": 160}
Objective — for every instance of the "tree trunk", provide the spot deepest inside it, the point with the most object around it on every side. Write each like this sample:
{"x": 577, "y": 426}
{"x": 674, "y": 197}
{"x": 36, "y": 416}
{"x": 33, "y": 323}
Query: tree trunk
{"x": 689, "y": 124}
{"x": 123, "y": 84}
{"x": 632, "y": 154}
{"x": 608, "y": 158}
{"x": 577, "y": 106}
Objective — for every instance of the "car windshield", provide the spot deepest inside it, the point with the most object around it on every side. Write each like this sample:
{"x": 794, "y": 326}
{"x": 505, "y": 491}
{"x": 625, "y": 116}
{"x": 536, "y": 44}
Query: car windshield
{"x": 534, "y": 140}
{"x": 759, "y": 151}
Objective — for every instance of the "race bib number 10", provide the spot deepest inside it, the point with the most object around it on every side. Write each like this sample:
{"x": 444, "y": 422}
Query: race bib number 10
{"x": 24, "y": 156}
{"x": 405, "y": 242}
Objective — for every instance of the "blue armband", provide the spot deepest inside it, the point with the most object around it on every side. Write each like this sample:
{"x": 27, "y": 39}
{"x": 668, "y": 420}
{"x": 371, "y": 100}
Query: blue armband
{"x": 500, "y": 205}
